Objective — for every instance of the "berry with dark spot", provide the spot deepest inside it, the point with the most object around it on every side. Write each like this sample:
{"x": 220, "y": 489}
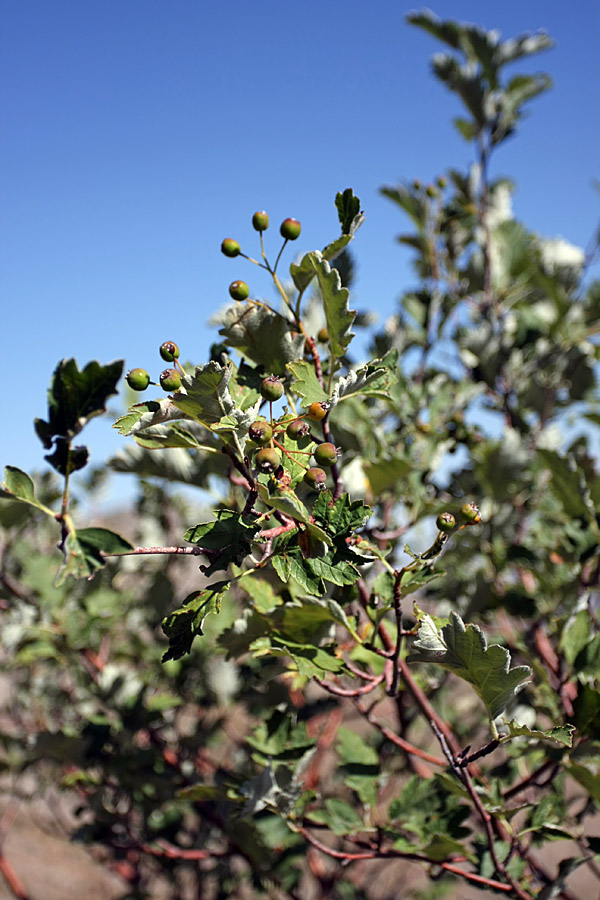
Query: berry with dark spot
{"x": 260, "y": 432}
{"x": 445, "y": 522}
{"x": 316, "y": 479}
{"x": 169, "y": 351}
{"x": 268, "y": 459}
{"x": 297, "y": 429}
{"x": 323, "y": 336}
{"x": 170, "y": 380}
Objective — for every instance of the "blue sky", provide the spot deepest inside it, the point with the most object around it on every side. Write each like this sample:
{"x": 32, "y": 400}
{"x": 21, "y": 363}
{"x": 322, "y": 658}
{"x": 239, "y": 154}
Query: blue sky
{"x": 136, "y": 135}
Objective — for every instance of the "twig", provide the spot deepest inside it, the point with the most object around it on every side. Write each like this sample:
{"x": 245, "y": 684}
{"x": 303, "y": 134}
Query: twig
{"x": 399, "y": 741}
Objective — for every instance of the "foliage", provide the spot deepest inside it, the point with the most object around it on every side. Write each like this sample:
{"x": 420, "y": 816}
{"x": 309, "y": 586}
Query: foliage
{"x": 297, "y": 698}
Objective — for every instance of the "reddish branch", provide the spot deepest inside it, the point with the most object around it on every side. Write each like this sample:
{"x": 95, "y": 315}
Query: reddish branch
{"x": 377, "y": 853}
{"x": 399, "y": 741}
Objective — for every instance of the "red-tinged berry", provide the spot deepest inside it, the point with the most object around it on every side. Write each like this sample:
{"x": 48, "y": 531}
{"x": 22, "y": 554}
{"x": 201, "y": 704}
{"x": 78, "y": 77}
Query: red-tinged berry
{"x": 323, "y": 336}
{"x": 169, "y": 351}
{"x": 297, "y": 429}
{"x": 260, "y": 220}
{"x": 239, "y": 290}
{"x": 230, "y": 247}
{"x": 290, "y": 229}
{"x": 170, "y": 380}
{"x": 318, "y": 410}
{"x": 138, "y": 379}
{"x": 260, "y": 432}
{"x": 445, "y": 522}
{"x": 325, "y": 454}
{"x": 268, "y": 459}
{"x": 470, "y": 512}
{"x": 316, "y": 479}
{"x": 271, "y": 388}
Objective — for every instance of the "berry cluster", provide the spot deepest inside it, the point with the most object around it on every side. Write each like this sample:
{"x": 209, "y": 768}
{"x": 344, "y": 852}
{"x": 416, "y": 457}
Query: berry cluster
{"x": 169, "y": 379}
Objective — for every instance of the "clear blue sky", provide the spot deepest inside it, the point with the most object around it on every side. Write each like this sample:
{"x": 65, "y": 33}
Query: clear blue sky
{"x": 138, "y": 133}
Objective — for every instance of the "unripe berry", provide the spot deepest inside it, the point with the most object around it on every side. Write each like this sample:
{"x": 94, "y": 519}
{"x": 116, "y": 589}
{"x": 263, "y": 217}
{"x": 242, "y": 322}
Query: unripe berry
{"x": 260, "y": 220}
{"x": 442, "y": 182}
{"x": 318, "y": 410}
{"x": 323, "y": 336}
{"x": 230, "y": 247}
{"x": 271, "y": 388}
{"x": 169, "y": 351}
{"x": 325, "y": 454}
{"x": 268, "y": 459}
{"x": 260, "y": 432}
{"x": 316, "y": 479}
{"x": 470, "y": 512}
{"x": 239, "y": 290}
{"x": 445, "y": 522}
{"x": 290, "y": 229}
{"x": 431, "y": 190}
{"x": 170, "y": 380}
{"x": 297, "y": 429}
{"x": 417, "y": 184}
{"x": 138, "y": 379}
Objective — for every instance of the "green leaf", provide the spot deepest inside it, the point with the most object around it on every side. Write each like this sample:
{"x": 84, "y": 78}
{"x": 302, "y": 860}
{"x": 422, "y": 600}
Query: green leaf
{"x": 352, "y": 749}
{"x": 207, "y": 398}
{"x": 230, "y": 534}
{"x": 464, "y": 651}
{"x": 182, "y": 625}
{"x": 338, "y": 315}
{"x": 338, "y": 816}
{"x": 84, "y": 551}
{"x": 589, "y": 779}
{"x": 19, "y": 486}
{"x": 143, "y": 416}
{"x": 560, "y": 734}
{"x": 387, "y": 474}
{"x": 262, "y": 336}
{"x": 368, "y": 380}
{"x": 305, "y": 382}
{"x": 75, "y": 397}
{"x": 348, "y": 207}
{"x": 284, "y": 501}
{"x": 263, "y": 596}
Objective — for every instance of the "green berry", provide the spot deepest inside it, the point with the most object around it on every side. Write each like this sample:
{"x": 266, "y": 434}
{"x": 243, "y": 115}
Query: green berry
{"x": 442, "y": 182}
{"x": 260, "y": 220}
{"x": 170, "y": 380}
{"x": 431, "y": 190}
{"x": 169, "y": 351}
{"x": 239, "y": 290}
{"x": 325, "y": 454}
{"x": 417, "y": 184}
{"x": 445, "y": 522}
{"x": 318, "y": 410}
{"x": 470, "y": 512}
{"x": 138, "y": 379}
{"x": 323, "y": 336}
{"x": 268, "y": 459}
{"x": 271, "y": 388}
{"x": 297, "y": 429}
{"x": 230, "y": 247}
{"x": 260, "y": 432}
{"x": 290, "y": 229}
{"x": 316, "y": 479}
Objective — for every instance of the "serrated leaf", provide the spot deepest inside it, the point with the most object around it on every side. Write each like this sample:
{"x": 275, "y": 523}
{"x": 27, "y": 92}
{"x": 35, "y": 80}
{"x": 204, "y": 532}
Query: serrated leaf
{"x": 339, "y": 816}
{"x": 19, "y": 486}
{"x": 262, "y": 336}
{"x": 387, "y": 473}
{"x": 348, "y": 207}
{"x": 359, "y": 381}
{"x": 560, "y": 734}
{"x": 75, "y": 397}
{"x": 144, "y": 416}
{"x": 207, "y": 398}
{"x": 464, "y": 651}
{"x": 285, "y": 501}
{"x": 185, "y": 623}
{"x": 230, "y": 534}
{"x": 305, "y": 382}
{"x": 338, "y": 315}
{"x": 83, "y": 552}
